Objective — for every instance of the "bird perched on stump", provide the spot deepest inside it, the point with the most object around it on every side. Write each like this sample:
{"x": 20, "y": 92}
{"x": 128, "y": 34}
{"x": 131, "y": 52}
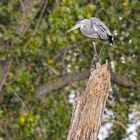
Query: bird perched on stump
{"x": 94, "y": 28}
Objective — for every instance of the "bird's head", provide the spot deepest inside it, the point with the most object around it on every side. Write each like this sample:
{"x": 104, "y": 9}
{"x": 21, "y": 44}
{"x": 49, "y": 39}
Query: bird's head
{"x": 78, "y": 24}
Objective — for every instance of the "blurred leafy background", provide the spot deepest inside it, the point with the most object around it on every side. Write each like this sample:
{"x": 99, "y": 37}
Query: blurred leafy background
{"x": 32, "y": 35}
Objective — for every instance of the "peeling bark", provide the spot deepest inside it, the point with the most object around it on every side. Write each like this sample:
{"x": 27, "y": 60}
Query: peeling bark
{"x": 89, "y": 107}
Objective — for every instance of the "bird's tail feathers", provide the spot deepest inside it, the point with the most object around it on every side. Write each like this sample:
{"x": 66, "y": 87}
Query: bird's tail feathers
{"x": 110, "y": 39}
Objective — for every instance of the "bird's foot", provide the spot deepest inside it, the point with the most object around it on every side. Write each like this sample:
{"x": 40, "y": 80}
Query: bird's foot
{"x": 95, "y": 60}
{"x": 92, "y": 67}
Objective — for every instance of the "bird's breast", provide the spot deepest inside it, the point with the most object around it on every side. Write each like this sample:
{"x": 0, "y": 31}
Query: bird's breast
{"x": 86, "y": 31}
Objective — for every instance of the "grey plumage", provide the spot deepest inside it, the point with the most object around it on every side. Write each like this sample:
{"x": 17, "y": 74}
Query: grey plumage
{"x": 94, "y": 28}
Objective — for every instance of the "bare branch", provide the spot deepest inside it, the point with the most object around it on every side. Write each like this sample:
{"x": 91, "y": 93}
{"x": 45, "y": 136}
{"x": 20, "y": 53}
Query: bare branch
{"x": 4, "y": 66}
{"x": 51, "y": 69}
{"x": 26, "y": 12}
{"x": 26, "y": 8}
{"x": 68, "y": 79}
{"x": 61, "y": 82}
{"x": 37, "y": 24}
{"x": 123, "y": 81}
{"x": 61, "y": 51}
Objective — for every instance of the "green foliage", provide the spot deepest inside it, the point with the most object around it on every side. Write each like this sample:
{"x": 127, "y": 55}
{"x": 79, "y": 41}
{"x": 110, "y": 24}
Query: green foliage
{"x": 25, "y": 117}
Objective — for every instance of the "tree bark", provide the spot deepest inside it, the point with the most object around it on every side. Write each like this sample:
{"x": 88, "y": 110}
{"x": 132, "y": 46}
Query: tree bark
{"x": 89, "y": 107}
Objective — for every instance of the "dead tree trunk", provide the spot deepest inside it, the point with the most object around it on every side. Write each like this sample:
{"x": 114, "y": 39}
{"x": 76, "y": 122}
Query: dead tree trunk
{"x": 89, "y": 107}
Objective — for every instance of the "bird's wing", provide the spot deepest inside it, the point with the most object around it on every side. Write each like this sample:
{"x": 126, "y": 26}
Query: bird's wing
{"x": 103, "y": 27}
{"x": 100, "y": 25}
{"x": 98, "y": 31}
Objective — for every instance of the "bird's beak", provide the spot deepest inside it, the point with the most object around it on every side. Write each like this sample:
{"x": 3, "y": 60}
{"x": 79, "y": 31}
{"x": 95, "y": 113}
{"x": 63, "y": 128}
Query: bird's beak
{"x": 73, "y": 28}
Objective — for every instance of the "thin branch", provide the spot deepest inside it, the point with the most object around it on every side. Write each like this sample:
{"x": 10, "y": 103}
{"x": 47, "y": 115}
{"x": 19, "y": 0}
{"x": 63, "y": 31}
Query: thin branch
{"x": 123, "y": 81}
{"x": 117, "y": 123}
{"x": 5, "y": 65}
{"x": 20, "y": 100}
{"x": 68, "y": 79}
{"x": 51, "y": 69}
{"x": 68, "y": 47}
{"x": 37, "y": 25}
{"x": 26, "y": 10}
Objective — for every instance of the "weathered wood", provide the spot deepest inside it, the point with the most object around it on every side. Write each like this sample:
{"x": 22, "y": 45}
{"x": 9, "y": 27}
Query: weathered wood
{"x": 89, "y": 107}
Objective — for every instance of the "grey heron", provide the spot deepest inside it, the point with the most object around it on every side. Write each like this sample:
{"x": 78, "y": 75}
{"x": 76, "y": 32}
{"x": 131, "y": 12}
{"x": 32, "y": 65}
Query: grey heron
{"x": 94, "y": 28}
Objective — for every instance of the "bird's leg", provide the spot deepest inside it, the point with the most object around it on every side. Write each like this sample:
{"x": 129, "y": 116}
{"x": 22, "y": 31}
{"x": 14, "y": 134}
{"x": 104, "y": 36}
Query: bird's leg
{"x": 95, "y": 56}
{"x": 101, "y": 49}
{"x": 95, "y": 51}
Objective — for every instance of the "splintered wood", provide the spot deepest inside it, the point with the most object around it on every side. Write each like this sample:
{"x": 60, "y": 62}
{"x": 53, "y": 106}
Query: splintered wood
{"x": 89, "y": 107}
